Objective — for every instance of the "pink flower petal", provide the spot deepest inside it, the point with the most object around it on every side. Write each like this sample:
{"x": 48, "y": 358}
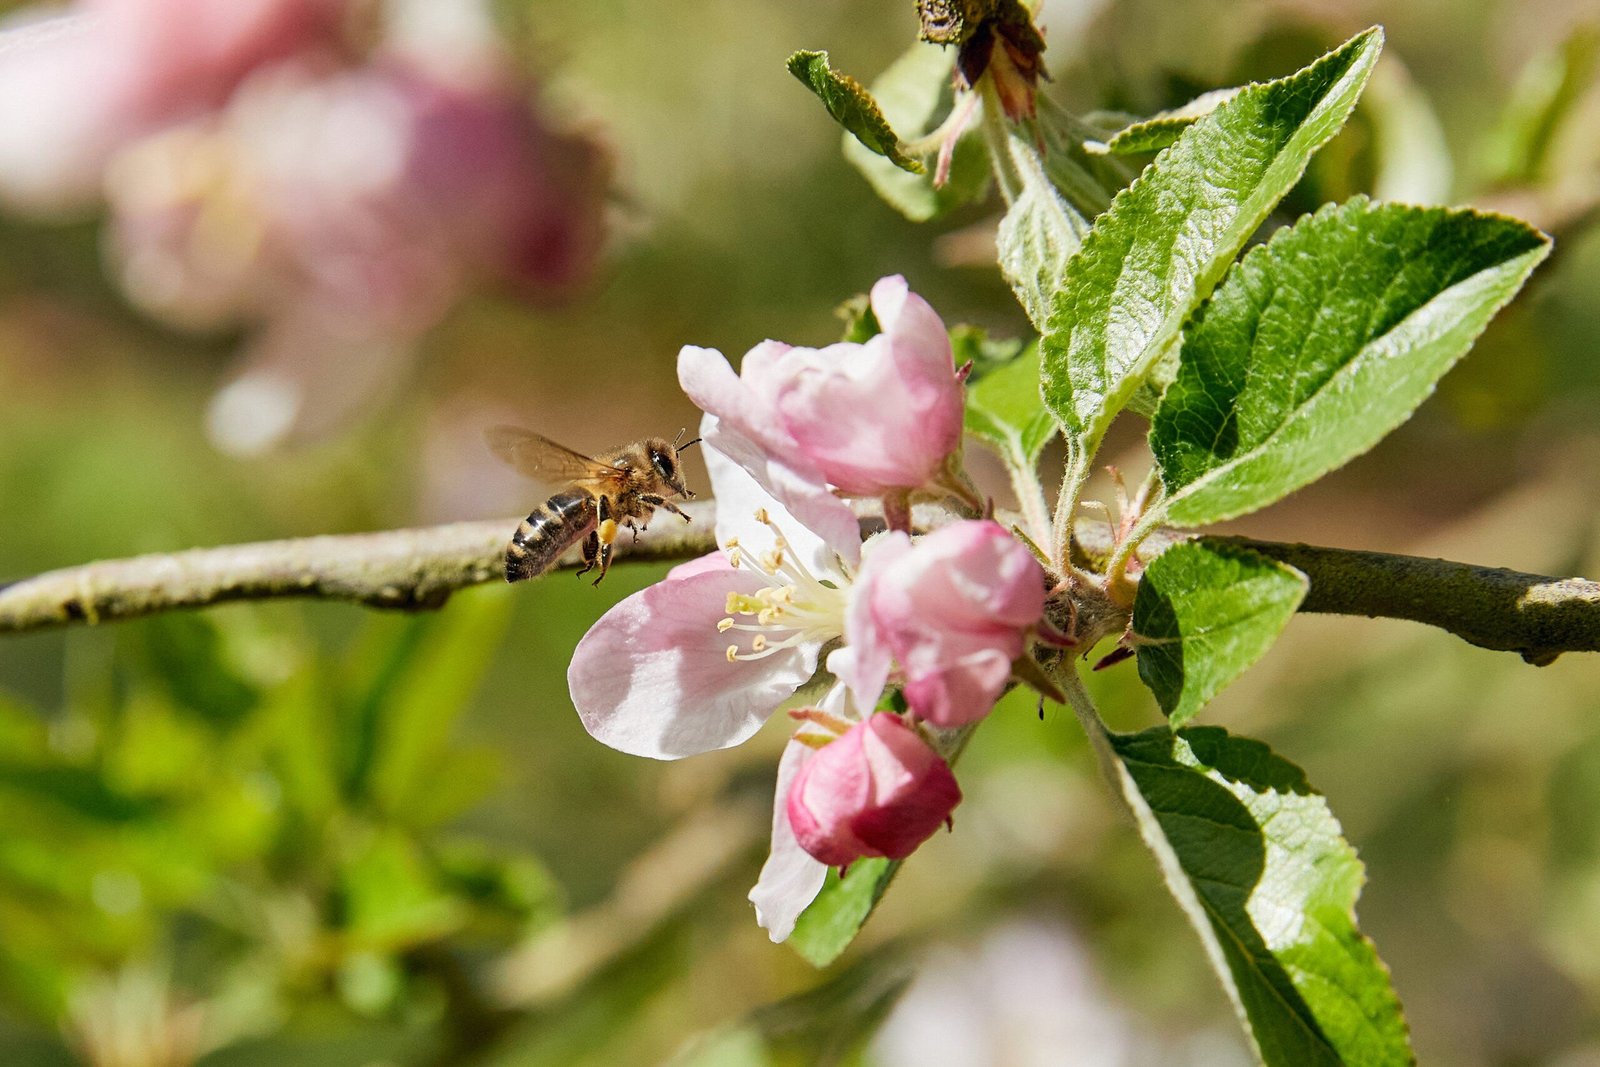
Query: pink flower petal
{"x": 955, "y": 610}
{"x": 651, "y": 677}
{"x": 864, "y": 662}
{"x": 882, "y": 416}
{"x": 739, "y": 497}
{"x": 745, "y": 428}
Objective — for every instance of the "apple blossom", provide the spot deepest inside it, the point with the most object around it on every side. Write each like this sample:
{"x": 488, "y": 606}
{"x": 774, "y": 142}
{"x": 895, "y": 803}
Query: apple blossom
{"x": 952, "y": 609}
{"x": 878, "y": 419}
{"x": 877, "y": 790}
{"x": 700, "y": 660}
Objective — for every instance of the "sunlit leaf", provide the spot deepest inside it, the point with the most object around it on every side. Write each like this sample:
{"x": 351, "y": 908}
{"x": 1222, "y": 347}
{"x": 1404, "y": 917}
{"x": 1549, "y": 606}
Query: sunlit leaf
{"x": 1206, "y": 611}
{"x": 1163, "y": 128}
{"x": 1039, "y": 233}
{"x": 851, "y": 107}
{"x": 1168, "y": 238}
{"x": 914, "y": 94}
{"x": 1323, "y": 341}
{"x": 1258, "y": 863}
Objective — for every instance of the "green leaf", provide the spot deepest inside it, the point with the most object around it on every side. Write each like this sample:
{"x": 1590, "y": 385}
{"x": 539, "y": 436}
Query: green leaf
{"x": 1004, "y": 408}
{"x": 1411, "y": 158}
{"x": 189, "y": 656}
{"x": 1258, "y": 863}
{"x": 1324, "y": 340}
{"x": 1206, "y": 611}
{"x": 1167, "y": 239}
{"x": 860, "y": 324}
{"x": 830, "y": 1024}
{"x": 851, "y": 107}
{"x": 827, "y": 927}
{"x": 1546, "y": 96}
{"x": 415, "y": 773}
{"x": 1038, "y": 235}
{"x": 914, "y": 94}
{"x": 1163, "y": 128}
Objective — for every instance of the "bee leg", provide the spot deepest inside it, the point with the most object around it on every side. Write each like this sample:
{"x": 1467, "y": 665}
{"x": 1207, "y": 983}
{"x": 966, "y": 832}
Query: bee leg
{"x": 605, "y": 532}
{"x": 666, "y": 505}
{"x": 591, "y": 552}
{"x": 635, "y": 530}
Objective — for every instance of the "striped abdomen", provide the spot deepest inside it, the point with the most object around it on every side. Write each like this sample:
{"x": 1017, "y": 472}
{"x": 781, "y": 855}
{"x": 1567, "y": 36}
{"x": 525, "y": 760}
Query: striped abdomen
{"x": 554, "y": 527}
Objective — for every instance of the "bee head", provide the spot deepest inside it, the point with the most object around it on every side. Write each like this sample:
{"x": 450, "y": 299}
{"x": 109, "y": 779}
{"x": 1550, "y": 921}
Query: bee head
{"x": 664, "y": 460}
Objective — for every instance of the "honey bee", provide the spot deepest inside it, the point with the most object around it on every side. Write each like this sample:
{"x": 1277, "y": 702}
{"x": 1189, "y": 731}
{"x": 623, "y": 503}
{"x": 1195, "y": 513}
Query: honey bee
{"x": 623, "y": 487}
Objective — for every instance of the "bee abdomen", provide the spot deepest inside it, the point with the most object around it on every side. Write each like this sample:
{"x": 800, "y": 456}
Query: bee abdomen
{"x": 552, "y": 528}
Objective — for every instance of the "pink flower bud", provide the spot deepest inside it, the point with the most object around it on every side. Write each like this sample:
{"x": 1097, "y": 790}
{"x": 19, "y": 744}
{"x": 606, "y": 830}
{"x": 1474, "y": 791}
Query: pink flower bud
{"x": 953, "y": 610}
{"x": 878, "y": 790}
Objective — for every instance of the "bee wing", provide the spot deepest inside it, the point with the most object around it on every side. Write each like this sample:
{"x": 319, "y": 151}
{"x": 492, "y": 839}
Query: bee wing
{"x": 541, "y": 458}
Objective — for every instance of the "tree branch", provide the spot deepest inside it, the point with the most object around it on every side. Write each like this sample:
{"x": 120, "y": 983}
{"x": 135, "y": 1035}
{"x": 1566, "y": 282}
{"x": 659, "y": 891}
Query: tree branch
{"x": 407, "y": 569}
{"x": 1536, "y": 616}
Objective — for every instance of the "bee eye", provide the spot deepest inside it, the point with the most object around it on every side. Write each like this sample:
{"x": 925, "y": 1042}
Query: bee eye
{"x": 663, "y": 465}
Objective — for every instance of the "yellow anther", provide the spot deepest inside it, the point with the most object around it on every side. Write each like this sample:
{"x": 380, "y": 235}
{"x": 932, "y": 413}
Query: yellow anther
{"x": 772, "y": 562}
{"x": 734, "y": 559}
{"x": 724, "y": 626}
{"x": 733, "y": 653}
{"x": 733, "y": 542}
{"x": 762, "y": 517}
{"x": 759, "y": 644}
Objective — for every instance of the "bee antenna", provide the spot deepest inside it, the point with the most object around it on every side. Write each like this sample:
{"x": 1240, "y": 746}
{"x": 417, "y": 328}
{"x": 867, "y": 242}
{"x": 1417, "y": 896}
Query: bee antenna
{"x": 686, "y": 444}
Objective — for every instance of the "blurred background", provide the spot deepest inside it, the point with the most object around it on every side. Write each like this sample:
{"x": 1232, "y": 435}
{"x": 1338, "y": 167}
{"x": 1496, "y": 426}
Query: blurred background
{"x": 268, "y": 268}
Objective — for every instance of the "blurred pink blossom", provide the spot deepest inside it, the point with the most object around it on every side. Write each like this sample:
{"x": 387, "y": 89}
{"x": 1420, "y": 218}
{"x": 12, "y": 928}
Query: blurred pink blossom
{"x": 330, "y": 181}
{"x": 953, "y": 609}
{"x": 878, "y": 789}
{"x": 76, "y": 87}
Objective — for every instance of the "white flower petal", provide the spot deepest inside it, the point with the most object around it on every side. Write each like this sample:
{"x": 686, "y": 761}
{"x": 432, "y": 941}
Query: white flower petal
{"x": 790, "y": 879}
{"x": 652, "y": 677}
{"x": 740, "y": 496}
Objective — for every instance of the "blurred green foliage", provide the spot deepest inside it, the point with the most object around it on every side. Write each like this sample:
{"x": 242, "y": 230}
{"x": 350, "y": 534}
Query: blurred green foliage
{"x": 311, "y": 834}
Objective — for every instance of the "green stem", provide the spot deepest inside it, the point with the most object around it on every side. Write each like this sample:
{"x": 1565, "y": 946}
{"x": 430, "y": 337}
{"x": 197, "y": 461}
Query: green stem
{"x": 1030, "y": 496}
{"x": 1082, "y": 704}
{"x": 1072, "y": 483}
{"x": 996, "y": 137}
{"x": 1117, "y": 567}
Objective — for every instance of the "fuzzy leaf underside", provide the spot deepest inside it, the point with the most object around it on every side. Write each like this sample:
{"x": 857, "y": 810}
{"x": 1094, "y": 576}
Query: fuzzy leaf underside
{"x": 1205, "y": 612}
{"x": 851, "y": 107}
{"x": 1168, "y": 238}
{"x": 1257, "y": 861}
{"x": 1324, "y": 340}
{"x": 1037, "y": 237}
